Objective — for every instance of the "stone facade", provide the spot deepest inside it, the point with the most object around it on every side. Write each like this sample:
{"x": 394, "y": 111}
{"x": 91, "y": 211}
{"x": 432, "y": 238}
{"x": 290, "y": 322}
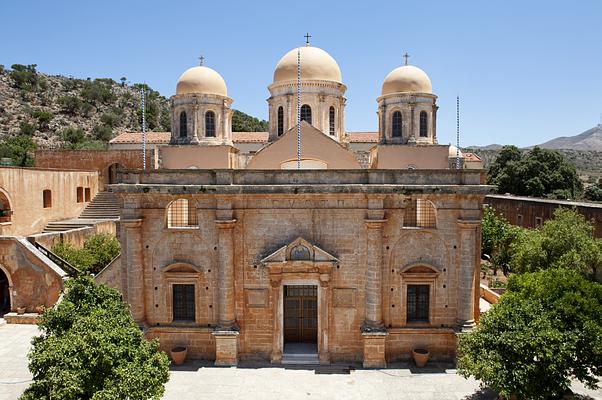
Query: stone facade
{"x": 366, "y": 243}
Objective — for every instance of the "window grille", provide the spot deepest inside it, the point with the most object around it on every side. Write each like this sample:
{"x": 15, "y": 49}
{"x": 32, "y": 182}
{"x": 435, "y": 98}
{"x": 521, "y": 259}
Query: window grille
{"x": 183, "y": 125}
{"x": 47, "y": 198}
{"x": 418, "y": 303}
{"x": 280, "y": 121}
{"x": 210, "y": 124}
{"x": 183, "y": 303}
{"x": 420, "y": 213}
{"x": 331, "y": 121}
{"x": 423, "y": 124}
{"x": 396, "y": 124}
{"x": 306, "y": 113}
{"x": 80, "y": 194}
{"x": 181, "y": 213}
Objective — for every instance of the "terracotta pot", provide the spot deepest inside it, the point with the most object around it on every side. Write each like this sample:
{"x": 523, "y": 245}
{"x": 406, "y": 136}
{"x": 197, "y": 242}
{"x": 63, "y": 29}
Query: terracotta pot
{"x": 178, "y": 355}
{"x": 421, "y": 356}
{"x": 20, "y": 310}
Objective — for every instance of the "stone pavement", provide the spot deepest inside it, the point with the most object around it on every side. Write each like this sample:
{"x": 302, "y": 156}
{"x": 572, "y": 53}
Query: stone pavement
{"x": 197, "y": 379}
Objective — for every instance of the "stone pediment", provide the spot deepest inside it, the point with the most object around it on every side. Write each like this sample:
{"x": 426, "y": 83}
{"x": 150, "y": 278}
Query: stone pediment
{"x": 299, "y": 251}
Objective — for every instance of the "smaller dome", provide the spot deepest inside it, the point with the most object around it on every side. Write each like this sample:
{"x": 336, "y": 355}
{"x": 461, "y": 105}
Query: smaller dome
{"x": 315, "y": 64}
{"x": 454, "y": 152}
{"x": 407, "y": 79}
{"x": 201, "y": 80}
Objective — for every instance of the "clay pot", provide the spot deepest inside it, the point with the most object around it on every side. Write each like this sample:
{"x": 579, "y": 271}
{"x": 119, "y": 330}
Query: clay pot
{"x": 420, "y": 356}
{"x": 178, "y": 354}
{"x": 20, "y": 310}
{"x": 40, "y": 309}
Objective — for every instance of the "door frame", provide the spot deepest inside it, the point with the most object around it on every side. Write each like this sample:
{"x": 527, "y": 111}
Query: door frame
{"x": 313, "y": 283}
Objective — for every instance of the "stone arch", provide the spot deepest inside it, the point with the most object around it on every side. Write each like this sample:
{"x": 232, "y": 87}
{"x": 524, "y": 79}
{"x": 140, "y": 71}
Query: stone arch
{"x": 418, "y": 247}
{"x": 6, "y": 287}
{"x": 111, "y": 171}
{"x": 6, "y": 209}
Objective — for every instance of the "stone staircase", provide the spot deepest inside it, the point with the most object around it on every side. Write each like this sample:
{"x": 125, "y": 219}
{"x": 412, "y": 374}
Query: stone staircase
{"x": 300, "y": 354}
{"x": 103, "y": 206}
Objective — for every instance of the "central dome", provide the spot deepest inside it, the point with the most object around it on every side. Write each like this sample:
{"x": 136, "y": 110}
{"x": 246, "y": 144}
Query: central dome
{"x": 315, "y": 64}
{"x": 201, "y": 80}
{"x": 407, "y": 79}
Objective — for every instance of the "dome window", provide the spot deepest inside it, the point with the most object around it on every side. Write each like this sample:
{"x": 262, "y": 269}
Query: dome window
{"x": 331, "y": 121}
{"x": 210, "y": 124}
{"x": 280, "y": 121}
{"x": 306, "y": 113}
{"x": 396, "y": 124}
{"x": 423, "y": 124}
{"x": 183, "y": 125}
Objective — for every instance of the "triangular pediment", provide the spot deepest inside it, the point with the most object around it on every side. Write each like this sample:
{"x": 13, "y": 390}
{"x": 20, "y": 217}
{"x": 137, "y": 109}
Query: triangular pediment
{"x": 299, "y": 250}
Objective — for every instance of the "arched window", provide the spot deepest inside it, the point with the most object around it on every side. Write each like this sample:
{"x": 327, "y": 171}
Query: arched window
{"x": 183, "y": 125}
{"x": 396, "y": 124}
{"x": 181, "y": 213}
{"x": 423, "y": 124}
{"x": 300, "y": 252}
{"x": 5, "y": 211}
{"x": 280, "y": 121}
{"x": 210, "y": 124}
{"x": 306, "y": 113}
{"x": 331, "y": 121}
{"x": 420, "y": 213}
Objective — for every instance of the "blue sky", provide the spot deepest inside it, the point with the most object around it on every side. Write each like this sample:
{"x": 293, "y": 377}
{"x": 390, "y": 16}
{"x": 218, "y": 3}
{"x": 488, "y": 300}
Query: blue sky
{"x": 526, "y": 71}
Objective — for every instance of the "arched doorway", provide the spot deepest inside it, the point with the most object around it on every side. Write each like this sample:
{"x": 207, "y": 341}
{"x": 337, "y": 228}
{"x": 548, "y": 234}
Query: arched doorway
{"x": 112, "y": 172}
{"x": 4, "y": 293}
{"x": 5, "y": 210}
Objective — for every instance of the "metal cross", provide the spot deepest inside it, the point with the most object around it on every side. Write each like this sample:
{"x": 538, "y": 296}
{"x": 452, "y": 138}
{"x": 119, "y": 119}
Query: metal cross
{"x": 201, "y": 59}
{"x": 406, "y": 56}
{"x": 307, "y": 36}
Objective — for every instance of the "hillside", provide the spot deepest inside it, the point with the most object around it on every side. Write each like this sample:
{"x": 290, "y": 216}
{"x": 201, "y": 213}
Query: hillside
{"x": 589, "y": 140}
{"x": 58, "y": 111}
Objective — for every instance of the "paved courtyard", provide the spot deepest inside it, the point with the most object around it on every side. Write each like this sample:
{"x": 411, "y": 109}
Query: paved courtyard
{"x": 196, "y": 380}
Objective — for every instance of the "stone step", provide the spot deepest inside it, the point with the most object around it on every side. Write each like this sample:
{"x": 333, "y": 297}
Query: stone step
{"x": 300, "y": 359}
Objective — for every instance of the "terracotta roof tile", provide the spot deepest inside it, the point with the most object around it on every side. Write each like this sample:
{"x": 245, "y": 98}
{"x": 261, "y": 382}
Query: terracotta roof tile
{"x": 136, "y": 137}
{"x": 471, "y": 157}
{"x": 367, "y": 137}
{"x": 260, "y": 137}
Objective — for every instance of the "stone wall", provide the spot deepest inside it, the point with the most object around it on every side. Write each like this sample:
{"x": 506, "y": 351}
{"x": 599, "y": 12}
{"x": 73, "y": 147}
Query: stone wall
{"x": 75, "y": 237}
{"x": 24, "y": 189}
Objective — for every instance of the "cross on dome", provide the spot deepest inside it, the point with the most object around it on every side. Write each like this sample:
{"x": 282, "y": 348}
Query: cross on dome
{"x": 201, "y": 60}
{"x": 406, "y": 56}
{"x": 307, "y": 36}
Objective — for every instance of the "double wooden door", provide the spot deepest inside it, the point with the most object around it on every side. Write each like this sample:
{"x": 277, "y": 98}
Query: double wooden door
{"x": 300, "y": 314}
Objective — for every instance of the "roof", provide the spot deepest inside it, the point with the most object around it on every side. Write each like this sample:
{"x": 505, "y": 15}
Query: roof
{"x": 366, "y": 137}
{"x": 540, "y": 200}
{"x": 136, "y": 137}
{"x": 471, "y": 157}
{"x": 164, "y": 137}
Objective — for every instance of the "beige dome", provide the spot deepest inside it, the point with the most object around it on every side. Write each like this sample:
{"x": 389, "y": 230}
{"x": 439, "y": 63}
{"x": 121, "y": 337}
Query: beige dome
{"x": 453, "y": 152}
{"x": 407, "y": 79}
{"x": 315, "y": 64}
{"x": 201, "y": 80}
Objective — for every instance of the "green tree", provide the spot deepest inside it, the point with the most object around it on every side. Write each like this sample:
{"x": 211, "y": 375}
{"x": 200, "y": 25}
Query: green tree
{"x": 538, "y": 172}
{"x": 43, "y": 117}
{"x": 545, "y": 331}
{"x": 103, "y": 133}
{"x": 27, "y": 129}
{"x": 24, "y": 77}
{"x": 242, "y": 122}
{"x": 20, "y": 149}
{"x": 91, "y": 349}
{"x": 593, "y": 192}
{"x": 97, "y": 252}
{"x": 98, "y": 91}
{"x": 497, "y": 237}
{"x": 69, "y": 104}
{"x": 73, "y": 137}
{"x": 565, "y": 241}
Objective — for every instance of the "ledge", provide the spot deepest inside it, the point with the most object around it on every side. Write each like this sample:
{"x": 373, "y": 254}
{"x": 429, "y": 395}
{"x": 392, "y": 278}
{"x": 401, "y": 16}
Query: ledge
{"x": 419, "y": 329}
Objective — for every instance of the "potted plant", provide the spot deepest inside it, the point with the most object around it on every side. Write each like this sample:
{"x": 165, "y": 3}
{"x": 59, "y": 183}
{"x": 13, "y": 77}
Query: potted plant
{"x": 420, "y": 356}
{"x": 20, "y": 310}
{"x": 178, "y": 354}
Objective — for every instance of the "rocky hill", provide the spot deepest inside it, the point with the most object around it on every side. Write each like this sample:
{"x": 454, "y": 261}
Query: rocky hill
{"x": 56, "y": 111}
{"x": 589, "y": 140}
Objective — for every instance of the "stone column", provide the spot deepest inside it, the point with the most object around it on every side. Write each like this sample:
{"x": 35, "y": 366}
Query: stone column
{"x": 195, "y": 124}
{"x": 374, "y": 312}
{"x": 226, "y": 318}
{"x": 324, "y": 310}
{"x": 276, "y": 298}
{"x": 466, "y": 274}
{"x": 412, "y": 136}
{"x": 382, "y": 118}
{"x": 134, "y": 264}
{"x": 434, "y": 123}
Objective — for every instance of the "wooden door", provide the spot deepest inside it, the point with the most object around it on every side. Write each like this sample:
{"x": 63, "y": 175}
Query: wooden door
{"x": 300, "y": 314}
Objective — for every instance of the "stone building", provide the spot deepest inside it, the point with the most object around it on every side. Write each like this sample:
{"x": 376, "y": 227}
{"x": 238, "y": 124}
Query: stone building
{"x": 346, "y": 259}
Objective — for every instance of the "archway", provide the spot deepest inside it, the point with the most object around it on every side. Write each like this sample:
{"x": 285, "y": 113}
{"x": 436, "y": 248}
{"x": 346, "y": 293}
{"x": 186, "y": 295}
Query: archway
{"x": 5, "y": 209}
{"x": 4, "y": 293}
{"x": 112, "y": 172}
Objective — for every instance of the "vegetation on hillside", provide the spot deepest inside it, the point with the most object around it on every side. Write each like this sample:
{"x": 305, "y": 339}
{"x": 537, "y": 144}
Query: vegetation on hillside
{"x": 91, "y": 348}
{"x": 97, "y": 252}
{"x": 538, "y": 172}
{"x": 242, "y": 122}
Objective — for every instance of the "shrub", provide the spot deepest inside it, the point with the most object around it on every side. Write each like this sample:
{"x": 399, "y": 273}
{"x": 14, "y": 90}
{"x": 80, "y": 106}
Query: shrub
{"x": 19, "y": 149}
{"x": 43, "y": 117}
{"x": 110, "y": 119}
{"x": 69, "y": 104}
{"x": 98, "y": 251}
{"x": 72, "y": 137}
{"x": 98, "y": 90}
{"x": 27, "y": 129}
{"x": 593, "y": 192}
{"x": 545, "y": 330}
{"x": 102, "y": 132}
{"x": 24, "y": 77}
{"x": 91, "y": 348}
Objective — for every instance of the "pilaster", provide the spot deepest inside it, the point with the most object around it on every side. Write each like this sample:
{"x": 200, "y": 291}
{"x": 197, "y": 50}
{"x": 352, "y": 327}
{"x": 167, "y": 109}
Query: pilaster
{"x": 134, "y": 265}
{"x": 466, "y": 274}
{"x": 226, "y": 315}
